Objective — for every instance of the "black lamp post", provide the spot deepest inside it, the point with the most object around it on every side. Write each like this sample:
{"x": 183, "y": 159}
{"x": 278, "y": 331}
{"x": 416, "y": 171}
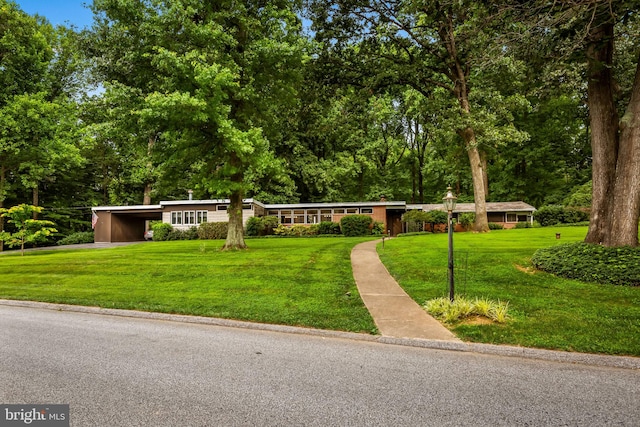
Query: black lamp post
{"x": 449, "y": 202}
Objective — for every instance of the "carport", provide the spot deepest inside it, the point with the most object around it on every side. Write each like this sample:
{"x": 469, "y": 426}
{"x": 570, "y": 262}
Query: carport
{"x": 123, "y": 223}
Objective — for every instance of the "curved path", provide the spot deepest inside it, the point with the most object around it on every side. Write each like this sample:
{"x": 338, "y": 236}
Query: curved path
{"x": 394, "y": 312}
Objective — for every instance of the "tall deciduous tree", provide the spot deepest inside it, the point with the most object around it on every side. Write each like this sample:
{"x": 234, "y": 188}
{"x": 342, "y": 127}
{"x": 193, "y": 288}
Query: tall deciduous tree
{"x": 220, "y": 71}
{"x": 24, "y": 58}
{"x": 39, "y": 75}
{"x": 424, "y": 45}
{"x": 588, "y": 32}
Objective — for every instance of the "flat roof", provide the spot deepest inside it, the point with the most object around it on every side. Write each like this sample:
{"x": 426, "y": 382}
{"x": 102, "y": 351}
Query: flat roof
{"x": 127, "y": 208}
{"x": 460, "y": 207}
{"x": 320, "y": 205}
{"x": 164, "y": 203}
{"x": 207, "y": 202}
{"x": 471, "y": 207}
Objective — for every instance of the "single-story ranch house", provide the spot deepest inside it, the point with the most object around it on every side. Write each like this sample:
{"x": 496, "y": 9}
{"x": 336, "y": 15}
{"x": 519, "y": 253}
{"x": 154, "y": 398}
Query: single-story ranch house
{"x": 128, "y": 223}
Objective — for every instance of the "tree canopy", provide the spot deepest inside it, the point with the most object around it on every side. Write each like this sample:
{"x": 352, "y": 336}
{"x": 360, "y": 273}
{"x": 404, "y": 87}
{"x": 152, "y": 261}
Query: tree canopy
{"x": 313, "y": 101}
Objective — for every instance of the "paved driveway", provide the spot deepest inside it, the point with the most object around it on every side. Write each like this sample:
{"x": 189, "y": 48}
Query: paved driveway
{"x": 79, "y": 246}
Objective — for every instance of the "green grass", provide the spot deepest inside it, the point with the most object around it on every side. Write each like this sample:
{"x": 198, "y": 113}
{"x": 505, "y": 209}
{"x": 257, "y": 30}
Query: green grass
{"x": 545, "y": 311}
{"x": 302, "y": 282}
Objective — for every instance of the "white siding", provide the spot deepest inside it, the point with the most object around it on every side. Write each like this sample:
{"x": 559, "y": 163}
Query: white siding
{"x": 212, "y": 216}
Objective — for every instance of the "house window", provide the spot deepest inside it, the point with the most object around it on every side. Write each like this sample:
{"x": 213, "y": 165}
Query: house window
{"x": 201, "y": 216}
{"x": 176, "y": 218}
{"x": 221, "y": 207}
{"x": 366, "y": 210}
{"x": 352, "y": 210}
{"x": 312, "y": 216}
{"x": 495, "y": 216}
{"x": 298, "y": 217}
{"x": 273, "y": 213}
{"x": 325, "y": 215}
{"x": 512, "y": 217}
{"x": 189, "y": 217}
{"x": 338, "y": 211}
{"x": 523, "y": 218}
{"x": 246, "y": 207}
{"x": 285, "y": 217}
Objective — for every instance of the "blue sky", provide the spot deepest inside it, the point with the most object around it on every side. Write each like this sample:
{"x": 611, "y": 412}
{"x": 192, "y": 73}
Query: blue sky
{"x": 60, "y": 12}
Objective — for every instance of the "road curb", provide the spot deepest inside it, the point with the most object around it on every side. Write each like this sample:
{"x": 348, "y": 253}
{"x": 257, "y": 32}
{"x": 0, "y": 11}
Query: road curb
{"x": 624, "y": 362}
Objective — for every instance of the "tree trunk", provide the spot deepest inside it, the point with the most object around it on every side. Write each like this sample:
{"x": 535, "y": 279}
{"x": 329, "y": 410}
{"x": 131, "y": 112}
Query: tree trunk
{"x": 148, "y": 186}
{"x": 626, "y": 197}
{"x": 481, "y": 223}
{"x": 603, "y": 118}
{"x": 235, "y": 234}
{"x": 146, "y": 199}
{"x": 459, "y": 74}
{"x": 36, "y": 200}
{"x": 478, "y": 172}
{"x": 485, "y": 176}
{"x": 413, "y": 180}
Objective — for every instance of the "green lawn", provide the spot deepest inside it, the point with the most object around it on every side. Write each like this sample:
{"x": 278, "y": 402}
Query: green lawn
{"x": 547, "y": 312}
{"x": 300, "y": 282}
{"x": 305, "y": 282}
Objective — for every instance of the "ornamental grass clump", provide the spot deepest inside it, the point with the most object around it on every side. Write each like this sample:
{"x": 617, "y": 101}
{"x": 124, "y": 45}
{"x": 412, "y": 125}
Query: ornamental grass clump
{"x": 462, "y": 308}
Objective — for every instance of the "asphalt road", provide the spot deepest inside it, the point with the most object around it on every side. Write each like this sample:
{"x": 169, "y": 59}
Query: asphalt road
{"x": 116, "y": 371}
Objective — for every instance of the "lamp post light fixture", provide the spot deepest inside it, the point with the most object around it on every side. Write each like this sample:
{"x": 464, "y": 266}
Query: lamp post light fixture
{"x": 449, "y": 202}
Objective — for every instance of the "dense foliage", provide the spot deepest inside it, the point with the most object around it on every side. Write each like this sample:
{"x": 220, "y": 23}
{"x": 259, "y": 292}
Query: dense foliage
{"x": 398, "y": 99}
{"x": 555, "y": 214}
{"x": 356, "y": 225}
{"x": 161, "y": 230}
{"x": 26, "y": 229}
{"x": 591, "y": 263}
{"x": 77, "y": 238}
{"x": 260, "y": 226}
{"x": 213, "y": 230}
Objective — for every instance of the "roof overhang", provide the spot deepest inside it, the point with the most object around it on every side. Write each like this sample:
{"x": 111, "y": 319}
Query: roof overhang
{"x": 320, "y": 205}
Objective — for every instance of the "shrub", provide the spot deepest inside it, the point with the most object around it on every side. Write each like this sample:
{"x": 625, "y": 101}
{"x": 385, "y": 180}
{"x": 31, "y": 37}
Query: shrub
{"x": 378, "y": 228}
{"x": 281, "y": 230}
{"x": 260, "y": 226}
{"x": 555, "y": 214}
{"x": 495, "y": 226}
{"x": 299, "y": 230}
{"x": 77, "y": 238}
{"x": 574, "y": 215}
{"x": 161, "y": 231}
{"x": 549, "y": 215}
{"x": 467, "y": 219}
{"x": 174, "y": 235}
{"x": 527, "y": 224}
{"x": 253, "y": 227}
{"x": 212, "y": 230}
{"x": 591, "y": 263}
{"x": 356, "y": 225}
{"x": 328, "y": 227}
{"x": 191, "y": 233}
{"x": 415, "y": 220}
{"x": 437, "y": 217}
{"x": 268, "y": 224}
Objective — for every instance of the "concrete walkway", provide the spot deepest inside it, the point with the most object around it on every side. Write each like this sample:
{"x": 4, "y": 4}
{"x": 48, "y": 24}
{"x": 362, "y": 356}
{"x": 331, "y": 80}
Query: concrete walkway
{"x": 394, "y": 312}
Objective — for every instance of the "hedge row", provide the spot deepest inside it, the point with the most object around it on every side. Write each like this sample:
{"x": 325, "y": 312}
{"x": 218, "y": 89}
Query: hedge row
{"x": 77, "y": 238}
{"x": 208, "y": 230}
{"x": 591, "y": 263}
{"x": 555, "y": 214}
{"x": 352, "y": 225}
